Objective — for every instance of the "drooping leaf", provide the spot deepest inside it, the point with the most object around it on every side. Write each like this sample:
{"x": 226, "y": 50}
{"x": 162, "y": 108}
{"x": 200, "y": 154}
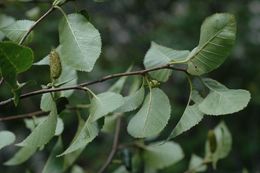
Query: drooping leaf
{"x": 221, "y": 100}
{"x": 191, "y": 116}
{"x": 104, "y": 103}
{"x": 152, "y": 117}
{"x": 159, "y": 55}
{"x": 5, "y": 21}
{"x": 7, "y": 138}
{"x": 160, "y": 155}
{"x": 224, "y": 144}
{"x": 80, "y": 42}
{"x": 17, "y": 30}
{"x": 217, "y": 37}
{"x": 197, "y": 164}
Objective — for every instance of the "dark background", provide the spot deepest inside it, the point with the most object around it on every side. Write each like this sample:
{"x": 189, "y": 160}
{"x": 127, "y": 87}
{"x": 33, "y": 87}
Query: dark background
{"x": 127, "y": 27}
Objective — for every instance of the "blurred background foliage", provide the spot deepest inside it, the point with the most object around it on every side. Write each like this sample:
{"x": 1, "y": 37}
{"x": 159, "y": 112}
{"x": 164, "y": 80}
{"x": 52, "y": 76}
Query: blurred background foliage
{"x": 127, "y": 27}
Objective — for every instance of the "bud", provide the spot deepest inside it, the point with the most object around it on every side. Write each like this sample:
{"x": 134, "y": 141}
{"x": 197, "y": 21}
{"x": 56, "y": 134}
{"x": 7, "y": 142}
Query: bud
{"x": 154, "y": 83}
{"x": 212, "y": 141}
{"x": 55, "y": 65}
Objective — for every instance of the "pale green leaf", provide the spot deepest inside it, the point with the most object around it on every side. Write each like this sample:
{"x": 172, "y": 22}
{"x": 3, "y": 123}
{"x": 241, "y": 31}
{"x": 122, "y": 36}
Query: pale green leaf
{"x": 191, "y": 116}
{"x": 7, "y": 138}
{"x": 222, "y": 100}
{"x": 80, "y": 42}
{"x": 104, "y": 103}
{"x": 121, "y": 169}
{"x": 160, "y": 155}
{"x": 159, "y": 55}
{"x": 197, "y": 164}
{"x": 17, "y": 30}
{"x": 110, "y": 123}
{"x": 77, "y": 169}
{"x": 5, "y": 21}
{"x": 217, "y": 37}
{"x": 152, "y": 117}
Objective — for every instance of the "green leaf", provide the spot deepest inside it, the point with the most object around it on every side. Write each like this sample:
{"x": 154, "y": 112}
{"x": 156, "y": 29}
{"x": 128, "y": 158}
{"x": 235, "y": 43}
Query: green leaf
{"x": 7, "y": 138}
{"x": 132, "y": 101}
{"x": 104, "y": 103}
{"x": 197, "y": 164}
{"x": 77, "y": 169}
{"x": 14, "y": 59}
{"x": 80, "y": 42}
{"x": 17, "y": 30}
{"x": 191, "y": 116}
{"x": 160, "y": 155}
{"x": 217, "y": 37}
{"x": 43, "y": 133}
{"x": 152, "y": 117}
{"x": 221, "y": 100}
{"x": 224, "y": 144}
{"x": 5, "y": 21}
{"x": 159, "y": 55}
{"x": 85, "y": 136}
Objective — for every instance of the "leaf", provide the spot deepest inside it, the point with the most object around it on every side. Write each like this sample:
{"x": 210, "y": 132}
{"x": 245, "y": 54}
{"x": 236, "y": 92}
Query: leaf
{"x": 197, "y": 164}
{"x": 159, "y": 55}
{"x": 5, "y": 21}
{"x": 104, "y": 103}
{"x": 152, "y": 117}
{"x": 80, "y": 42}
{"x": 43, "y": 133}
{"x": 85, "y": 136}
{"x": 132, "y": 101}
{"x": 224, "y": 144}
{"x": 217, "y": 37}
{"x": 7, "y": 138}
{"x": 14, "y": 59}
{"x": 191, "y": 116}
{"x": 17, "y": 30}
{"x": 160, "y": 155}
{"x": 221, "y": 100}
{"x": 77, "y": 169}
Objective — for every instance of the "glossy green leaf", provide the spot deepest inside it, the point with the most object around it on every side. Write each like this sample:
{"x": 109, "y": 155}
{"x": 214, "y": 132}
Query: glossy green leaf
{"x": 160, "y": 155}
{"x": 80, "y": 42}
{"x": 104, "y": 103}
{"x": 197, "y": 164}
{"x": 191, "y": 116}
{"x": 159, "y": 55}
{"x": 152, "y": 117}
{"x": 7, "y": 138}
{"x": 217, "y": 37}
{"x": 17, "y": 30}
{"x": 5, "y": 21}
{"x": 221, "y": 100}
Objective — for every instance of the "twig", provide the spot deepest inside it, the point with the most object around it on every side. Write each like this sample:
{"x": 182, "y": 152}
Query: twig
{"x": 105, "y": 78}
{"x": 1, "y": 80}
{"x": 114, "y": 147}
{"x": 37, "y": 113}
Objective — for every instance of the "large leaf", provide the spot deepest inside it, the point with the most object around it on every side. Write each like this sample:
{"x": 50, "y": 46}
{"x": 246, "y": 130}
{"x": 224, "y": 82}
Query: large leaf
{"x": 191, "y": 116}
{"x": 17, "y": 30}
{"x": 159, "y": 55}
{"x": 80, "y": 42}
{"x": 160, "y": 155}
{"x": 7, "y": 138}
{"x": 5, "y": 21}
{"x": 222, "y": 100}
{"x": 104, "y": 103}
{"x": 217, "y": 37}
{"x": 14, "y": 59}
{"x": 152, "y": 117}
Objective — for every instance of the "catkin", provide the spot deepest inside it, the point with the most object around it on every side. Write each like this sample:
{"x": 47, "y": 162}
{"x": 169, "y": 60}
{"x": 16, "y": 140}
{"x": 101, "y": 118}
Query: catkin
{"x": 55, "y": 65}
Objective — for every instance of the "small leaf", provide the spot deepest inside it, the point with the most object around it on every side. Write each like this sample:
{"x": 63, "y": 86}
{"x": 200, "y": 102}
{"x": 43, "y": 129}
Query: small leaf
{"x": 104, "y": 103}
{"x": 160, "y": 155}
{"x": 7, "y": 138}
{"x": 191, "y": 116}
{"x": 221, "y": 100}
{"x": 80, "y": 42}
{"x": 217, "y": 37}
{"x": 77, "y": 169}
{"x": 197, "y": 164}
{"x": 152, "y": 117}
{"x": 159, "y": 55}
{"x": 17, "y": 30}
{"x": 5, "y": 21}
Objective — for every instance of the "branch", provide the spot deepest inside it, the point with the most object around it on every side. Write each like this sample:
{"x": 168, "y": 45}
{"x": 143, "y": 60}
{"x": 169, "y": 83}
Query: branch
{"x": 37, "y": 113}
{"x": 114, "y": 147}
{"x": 80, "y": 86}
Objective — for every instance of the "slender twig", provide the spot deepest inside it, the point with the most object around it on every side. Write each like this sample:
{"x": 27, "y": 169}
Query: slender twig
{"x": 80, "y": 86}
{"x": 51, "y": 9}
{"x": 21, "y": 116}
{"x": 114, "y": 147}
{"x": 1, "y": 80}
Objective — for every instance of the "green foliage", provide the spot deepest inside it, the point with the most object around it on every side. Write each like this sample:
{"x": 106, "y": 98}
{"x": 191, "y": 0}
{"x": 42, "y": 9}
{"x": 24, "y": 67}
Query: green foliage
{"x": 7, "y": 138}
{"x": 197, "y": 164}
{"x": 5, "y": 21}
